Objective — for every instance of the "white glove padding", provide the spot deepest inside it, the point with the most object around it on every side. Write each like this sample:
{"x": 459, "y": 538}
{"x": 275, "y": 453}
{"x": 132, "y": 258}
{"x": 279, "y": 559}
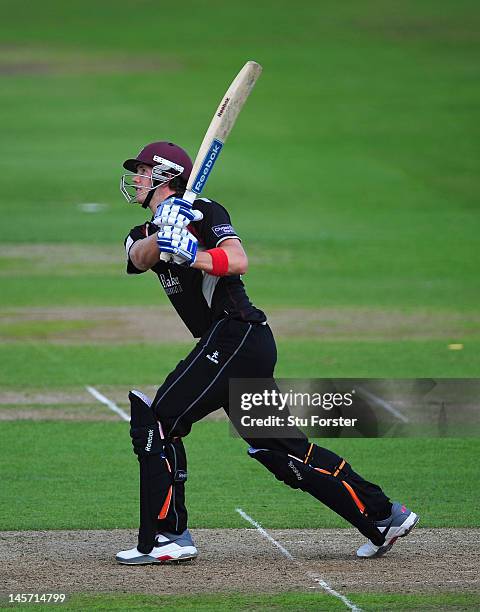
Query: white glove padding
{"x": 180, "y": 243}
{"x": 176, "y": 213}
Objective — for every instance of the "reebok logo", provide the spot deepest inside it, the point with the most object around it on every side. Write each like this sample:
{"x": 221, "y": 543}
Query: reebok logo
{"x": 295, "y": 470}
{"x": 180, "y": 476}
{"x": 207, "y": 165}
{"x": 213, "y": 357}
{"x": 148, "y": 448}
{"x": 223, "y": 107}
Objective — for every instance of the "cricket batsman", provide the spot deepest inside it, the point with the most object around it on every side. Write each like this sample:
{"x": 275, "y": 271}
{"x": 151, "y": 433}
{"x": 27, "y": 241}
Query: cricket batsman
{"x": 203, "y": 282}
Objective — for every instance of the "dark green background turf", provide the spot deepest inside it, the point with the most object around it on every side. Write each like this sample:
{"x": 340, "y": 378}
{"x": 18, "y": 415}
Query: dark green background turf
{"x": 355, "y": 162}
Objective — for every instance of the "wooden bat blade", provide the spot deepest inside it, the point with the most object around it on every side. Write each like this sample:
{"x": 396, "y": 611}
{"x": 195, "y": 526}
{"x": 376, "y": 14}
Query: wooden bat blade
{"x": 218, "y": 131}
{"x": 221, "y": 126}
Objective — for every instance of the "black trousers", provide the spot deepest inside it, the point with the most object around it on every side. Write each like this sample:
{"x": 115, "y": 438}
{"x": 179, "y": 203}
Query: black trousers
{"x": 200, "y": 384}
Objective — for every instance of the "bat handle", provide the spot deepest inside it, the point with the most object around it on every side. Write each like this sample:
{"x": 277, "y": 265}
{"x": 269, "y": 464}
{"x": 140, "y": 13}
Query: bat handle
{"x": 190, "y": 197}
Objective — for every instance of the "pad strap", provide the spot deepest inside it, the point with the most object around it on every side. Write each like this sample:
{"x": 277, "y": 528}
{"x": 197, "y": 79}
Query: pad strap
{"x": 219, "y": 261}
{"x": 335, "y": 484}
{"x": 338, "y": 470}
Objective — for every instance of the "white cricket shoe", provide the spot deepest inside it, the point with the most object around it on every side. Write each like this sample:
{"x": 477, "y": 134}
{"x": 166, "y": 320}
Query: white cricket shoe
{"x": 398, "y": 525}
{"x": 169, "y": 548}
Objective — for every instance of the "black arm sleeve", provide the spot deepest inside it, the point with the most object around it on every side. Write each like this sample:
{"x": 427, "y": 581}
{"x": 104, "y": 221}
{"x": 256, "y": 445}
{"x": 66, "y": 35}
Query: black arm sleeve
{"x": 216, "y": 226}
{"x": 136, "y": 233}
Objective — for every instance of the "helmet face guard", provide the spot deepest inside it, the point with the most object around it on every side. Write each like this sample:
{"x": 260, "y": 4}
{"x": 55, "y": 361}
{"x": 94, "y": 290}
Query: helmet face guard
{"x": 129, "y": 189}
{"x": 167, "y": 161}
{"x": 161, "y": 174}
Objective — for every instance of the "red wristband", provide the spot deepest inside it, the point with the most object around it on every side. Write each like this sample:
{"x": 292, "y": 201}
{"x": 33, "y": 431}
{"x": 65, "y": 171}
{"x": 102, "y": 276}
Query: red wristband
{"x": 219, "y": 261}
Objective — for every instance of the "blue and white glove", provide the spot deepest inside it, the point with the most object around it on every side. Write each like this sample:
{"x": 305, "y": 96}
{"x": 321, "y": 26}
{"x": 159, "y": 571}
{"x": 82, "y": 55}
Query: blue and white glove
{"x": 179, "y": 243}
{"x": 177, "y": 213}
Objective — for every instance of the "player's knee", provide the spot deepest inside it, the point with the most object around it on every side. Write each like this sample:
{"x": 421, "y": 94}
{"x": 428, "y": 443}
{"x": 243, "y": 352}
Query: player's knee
{"x": 145, "y": 431}
{"x": 283, "y": 467}
{"x": 173, "y": 425}
{"x": 301, "y": 472}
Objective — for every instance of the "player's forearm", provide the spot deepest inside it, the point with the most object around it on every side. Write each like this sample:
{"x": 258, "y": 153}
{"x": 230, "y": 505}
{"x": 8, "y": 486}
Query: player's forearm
{"x": 144, "y": 253}
{"x": 237, "y": 262}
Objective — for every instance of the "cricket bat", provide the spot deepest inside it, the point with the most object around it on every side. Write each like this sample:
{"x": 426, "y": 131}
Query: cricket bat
{"x": 220, "y": 127}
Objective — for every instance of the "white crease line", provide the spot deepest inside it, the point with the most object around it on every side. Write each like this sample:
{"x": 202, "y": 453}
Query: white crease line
{"x": 264, "y": 533}
{"x": 382, "y": 403}
{"x": 112, "y": 405}
{"x": 325, "y": 586}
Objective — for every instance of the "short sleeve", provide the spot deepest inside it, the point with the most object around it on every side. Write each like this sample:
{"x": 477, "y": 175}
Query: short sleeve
{"x": 215, "y": 226}
{"x": 136, "y": 233}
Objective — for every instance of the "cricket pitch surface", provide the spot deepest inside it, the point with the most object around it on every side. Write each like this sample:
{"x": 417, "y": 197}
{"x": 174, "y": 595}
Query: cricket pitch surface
{"x": 241, "y": 560}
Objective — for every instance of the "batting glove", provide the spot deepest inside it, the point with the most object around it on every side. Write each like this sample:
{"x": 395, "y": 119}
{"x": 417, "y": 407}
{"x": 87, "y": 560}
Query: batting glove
{"x": 181, "y": 244}
{"x": 176, "y": 212}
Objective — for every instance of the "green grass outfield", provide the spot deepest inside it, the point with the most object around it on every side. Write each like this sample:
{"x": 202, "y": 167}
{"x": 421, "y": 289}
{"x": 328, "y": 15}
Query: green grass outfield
{"x": 147, "y": 364}
{"x": 78, "y": 468}
{"x": 353, "y": 170}
{"x": 294, "y": 602}
{"x": 352, "y": 178}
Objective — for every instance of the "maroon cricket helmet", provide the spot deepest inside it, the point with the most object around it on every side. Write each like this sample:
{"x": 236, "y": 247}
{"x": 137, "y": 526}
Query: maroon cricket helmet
{"x": 168, "y": 151}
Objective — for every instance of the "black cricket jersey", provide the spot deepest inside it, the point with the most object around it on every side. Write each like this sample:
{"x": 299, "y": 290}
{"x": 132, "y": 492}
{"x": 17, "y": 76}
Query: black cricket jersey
{"x": 198, "y": 297}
